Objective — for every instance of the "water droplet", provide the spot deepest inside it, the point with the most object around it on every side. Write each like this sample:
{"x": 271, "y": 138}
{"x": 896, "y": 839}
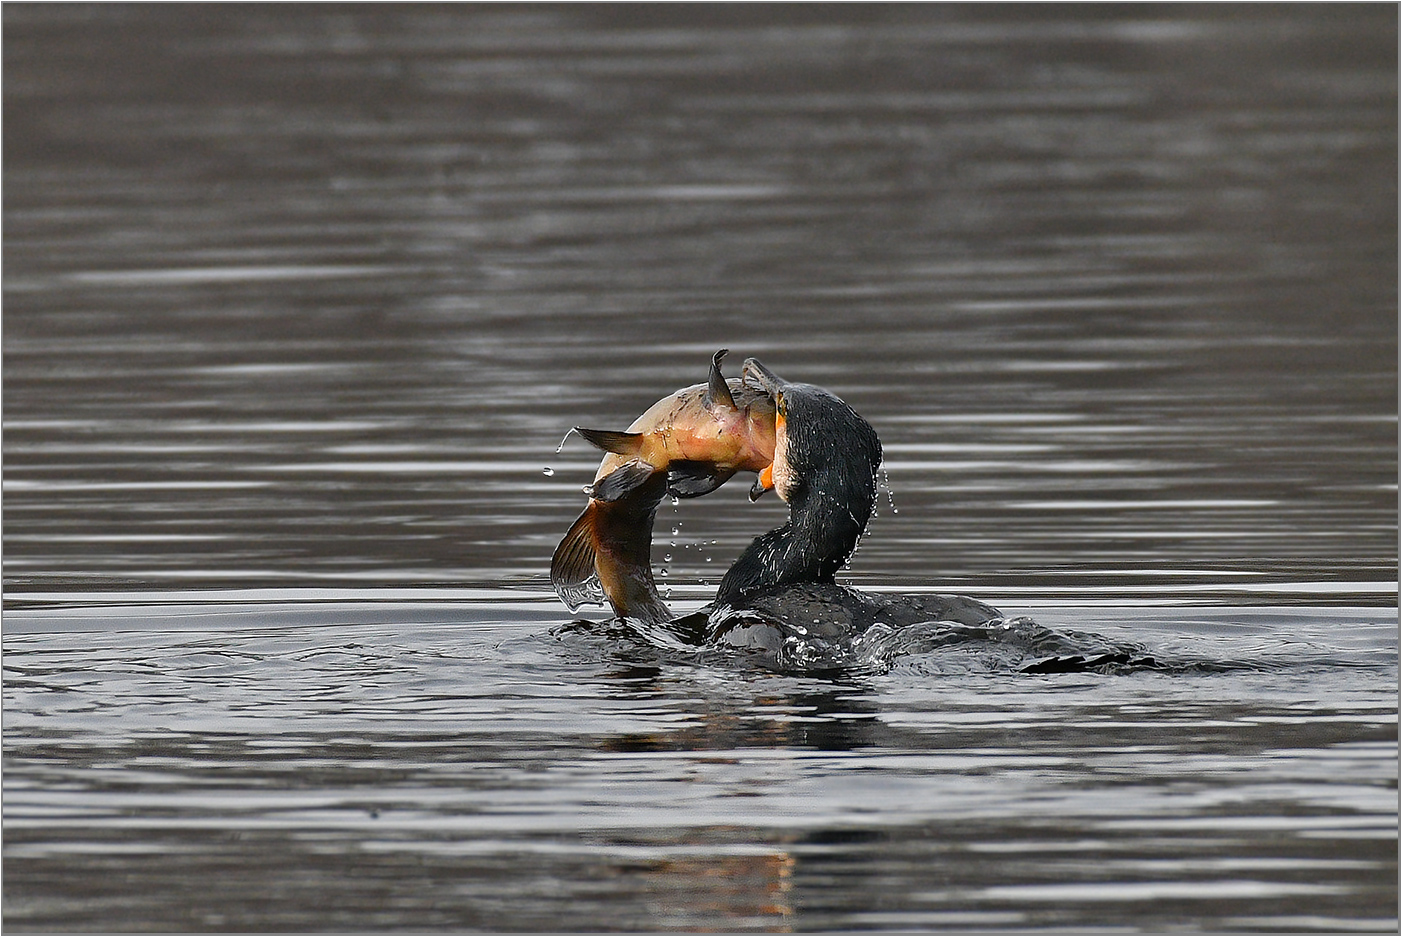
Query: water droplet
{"x": 708, "y": 559}
{"x": 676, "y": 530}
{"x": 549, "y": 472}
{"x": 667, "y": 558}
{"x": 890, "y": 495}
{"x": 676, "y": 501}
{"x": 562, "y": 441}
{"x": 663, "y": 573}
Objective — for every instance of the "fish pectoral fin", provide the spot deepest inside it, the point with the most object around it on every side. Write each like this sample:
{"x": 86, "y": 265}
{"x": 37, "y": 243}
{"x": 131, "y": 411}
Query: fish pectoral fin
{"x": 694, "y": 479}
{"x": 611, "y": 441}
{"x": 753, "y": 370}
{"x": 618, "y": 483}
{"x": 572, "y": 566}
{"x": 717, "y": 390}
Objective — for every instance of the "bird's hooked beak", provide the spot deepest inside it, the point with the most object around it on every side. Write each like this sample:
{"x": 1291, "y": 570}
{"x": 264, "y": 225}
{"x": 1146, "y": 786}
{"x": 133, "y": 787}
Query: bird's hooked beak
{"x": 765, "y": 482}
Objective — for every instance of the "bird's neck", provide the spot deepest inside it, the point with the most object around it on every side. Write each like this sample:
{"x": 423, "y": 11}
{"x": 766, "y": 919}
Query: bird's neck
{"x": 826, "y": 519}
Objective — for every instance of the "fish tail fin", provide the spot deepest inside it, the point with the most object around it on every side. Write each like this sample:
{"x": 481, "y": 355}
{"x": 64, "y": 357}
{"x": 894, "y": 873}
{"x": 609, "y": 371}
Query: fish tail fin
{"x": 611, "y": 441}
{"x": 717, "y": 390}
{"x": 572, "y": 571}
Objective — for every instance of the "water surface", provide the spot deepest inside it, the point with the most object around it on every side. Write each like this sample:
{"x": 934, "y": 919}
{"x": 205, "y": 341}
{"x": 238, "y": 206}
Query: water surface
{"x": 455, "y": 763}
{"x": 299, "y": 302}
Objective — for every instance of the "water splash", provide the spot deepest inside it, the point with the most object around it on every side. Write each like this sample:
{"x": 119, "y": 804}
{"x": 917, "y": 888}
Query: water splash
{"x": 565, "y": 439}
{"x": 588, "y": 592}
{"x": 999, "y": 645}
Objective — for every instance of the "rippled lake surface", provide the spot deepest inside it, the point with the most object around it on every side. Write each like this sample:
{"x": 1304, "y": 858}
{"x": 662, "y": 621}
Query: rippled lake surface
{"x": 299, "y": 302}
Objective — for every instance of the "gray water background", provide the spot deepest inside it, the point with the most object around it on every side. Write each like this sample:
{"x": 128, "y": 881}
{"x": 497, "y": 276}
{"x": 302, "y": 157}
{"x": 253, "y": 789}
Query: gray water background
{"x": 299, "y": 302}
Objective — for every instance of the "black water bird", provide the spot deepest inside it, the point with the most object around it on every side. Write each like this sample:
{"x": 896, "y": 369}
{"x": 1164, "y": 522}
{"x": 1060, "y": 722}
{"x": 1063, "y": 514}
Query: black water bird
{"x": 826, "y": 461}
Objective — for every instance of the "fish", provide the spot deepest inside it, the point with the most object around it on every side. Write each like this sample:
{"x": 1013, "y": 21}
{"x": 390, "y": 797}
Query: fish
{"x": 687, "y": 444}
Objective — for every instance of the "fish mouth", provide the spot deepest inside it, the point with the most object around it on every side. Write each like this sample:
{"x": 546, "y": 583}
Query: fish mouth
{"x": 757, "y": 372}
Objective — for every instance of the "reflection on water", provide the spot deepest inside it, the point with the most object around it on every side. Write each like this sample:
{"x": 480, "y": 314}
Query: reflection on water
{"x": 299, "y": 302}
